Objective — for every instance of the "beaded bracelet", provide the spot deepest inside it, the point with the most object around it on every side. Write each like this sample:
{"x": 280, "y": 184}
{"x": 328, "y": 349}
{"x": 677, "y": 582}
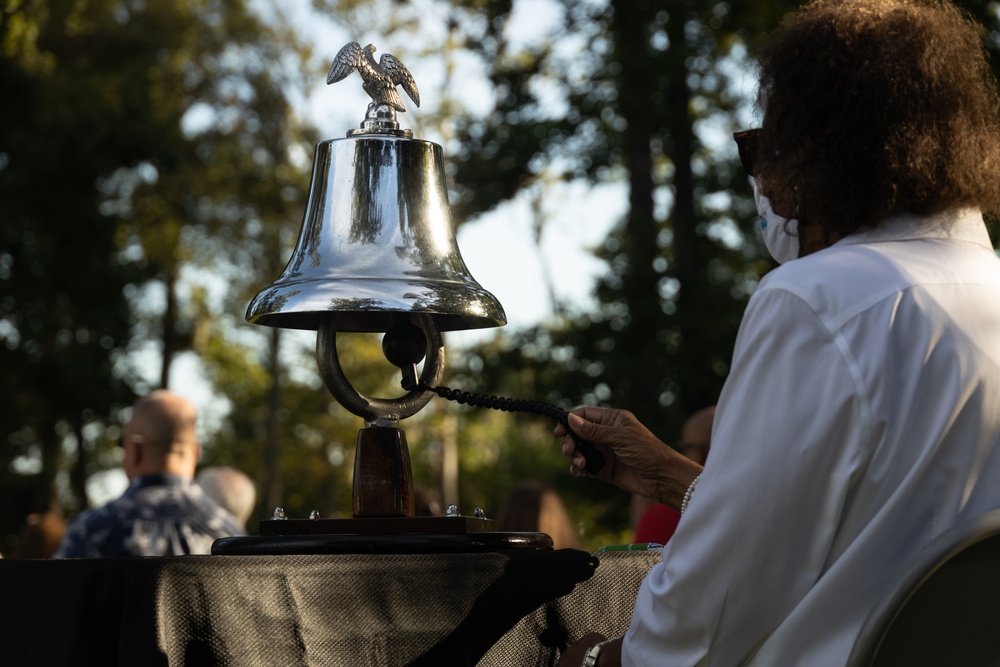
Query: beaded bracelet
{"x": 688, "y": 493}
{"x": 590, "y": 657}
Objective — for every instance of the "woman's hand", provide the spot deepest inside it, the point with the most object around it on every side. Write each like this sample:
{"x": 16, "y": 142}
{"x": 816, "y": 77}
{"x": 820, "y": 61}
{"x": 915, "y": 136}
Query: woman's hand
{"x": 635, "y": 459}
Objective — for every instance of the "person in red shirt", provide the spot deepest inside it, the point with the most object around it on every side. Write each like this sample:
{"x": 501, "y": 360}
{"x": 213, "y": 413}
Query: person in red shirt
{"x": 658, "y": 522}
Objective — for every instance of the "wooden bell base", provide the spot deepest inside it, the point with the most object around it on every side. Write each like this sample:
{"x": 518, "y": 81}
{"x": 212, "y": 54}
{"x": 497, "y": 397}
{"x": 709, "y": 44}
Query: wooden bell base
{"x": 394, "y": 525}
{"x": 383, "y": 520}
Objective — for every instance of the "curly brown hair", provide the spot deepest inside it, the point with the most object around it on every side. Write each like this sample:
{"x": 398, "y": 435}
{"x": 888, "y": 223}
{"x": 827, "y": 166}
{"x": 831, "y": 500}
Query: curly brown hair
{"x": 877, "y": 107}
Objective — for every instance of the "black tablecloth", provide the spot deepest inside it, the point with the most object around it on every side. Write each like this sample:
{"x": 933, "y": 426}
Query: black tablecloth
{"x": 519, "y": 607}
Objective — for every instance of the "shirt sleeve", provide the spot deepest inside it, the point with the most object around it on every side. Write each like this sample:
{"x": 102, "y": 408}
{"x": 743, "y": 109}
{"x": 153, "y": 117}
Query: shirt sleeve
{"x": 71, "y": 545}
{"x": 756, "y": 535}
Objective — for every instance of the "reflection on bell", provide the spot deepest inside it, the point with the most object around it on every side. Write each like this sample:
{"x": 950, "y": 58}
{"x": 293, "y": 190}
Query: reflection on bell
{"x": 376, "y": 240}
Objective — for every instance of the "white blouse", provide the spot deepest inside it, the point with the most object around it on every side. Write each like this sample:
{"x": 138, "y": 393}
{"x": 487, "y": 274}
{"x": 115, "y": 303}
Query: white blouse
{"x": 860, "y": 419}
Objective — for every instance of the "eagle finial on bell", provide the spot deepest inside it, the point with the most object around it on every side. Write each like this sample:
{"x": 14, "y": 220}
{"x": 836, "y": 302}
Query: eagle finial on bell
{"x": 380, "y": 78}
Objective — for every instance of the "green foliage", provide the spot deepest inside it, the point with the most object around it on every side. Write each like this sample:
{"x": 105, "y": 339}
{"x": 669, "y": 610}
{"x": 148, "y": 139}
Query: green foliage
{"x": 69, "y": 117}
{"x": 151, "y": 182}
{"x": 636, "y": 101}
{"x": 138, "y": 142}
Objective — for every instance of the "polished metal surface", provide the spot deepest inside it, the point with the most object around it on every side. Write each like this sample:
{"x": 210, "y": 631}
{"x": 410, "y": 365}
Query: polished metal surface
{"x": 378, "y": 411}
{"x": 380, "y": 119}
{"x": 376, "y": 240}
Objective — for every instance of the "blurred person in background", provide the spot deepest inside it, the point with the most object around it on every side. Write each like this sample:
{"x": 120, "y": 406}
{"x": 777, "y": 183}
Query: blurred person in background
{"x": 425, "y": 502}
{"x": 40, "y": 535}
{"x": 231, "y": 489}
{"x": 658, "y": 522}
{"x": 532, "y": 507}
{"x": 162, "y": 512}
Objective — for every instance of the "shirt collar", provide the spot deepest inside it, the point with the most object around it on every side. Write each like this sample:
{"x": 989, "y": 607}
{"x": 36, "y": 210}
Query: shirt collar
{"x": 962, "y": 224}
{"x": 159, "y": 479}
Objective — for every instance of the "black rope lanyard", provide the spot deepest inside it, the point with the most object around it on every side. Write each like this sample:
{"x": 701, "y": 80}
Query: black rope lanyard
{"x": 405, "y": 344}
{"x": 594, "y": 458}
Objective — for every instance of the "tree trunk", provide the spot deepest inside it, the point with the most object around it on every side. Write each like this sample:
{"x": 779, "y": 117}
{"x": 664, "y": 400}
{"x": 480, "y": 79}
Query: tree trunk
{"x": 169, "y": 328}
{"x": 693, "y": 305}
{"x": 78, "y": 474}
{"x": 680, "y": 143}
{"x": 637, "y": 381}
{"x": 45, "y": 491}
{"x": 449, "y": 460}
{"x": 272, "y": 484}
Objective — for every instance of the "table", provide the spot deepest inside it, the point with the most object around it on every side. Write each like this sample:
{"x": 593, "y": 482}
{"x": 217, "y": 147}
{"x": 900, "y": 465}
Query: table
{"x": 516, "y": 607}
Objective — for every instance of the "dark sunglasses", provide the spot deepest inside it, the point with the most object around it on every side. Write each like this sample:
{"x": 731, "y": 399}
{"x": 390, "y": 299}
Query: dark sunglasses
{"x": 746, "y": 144}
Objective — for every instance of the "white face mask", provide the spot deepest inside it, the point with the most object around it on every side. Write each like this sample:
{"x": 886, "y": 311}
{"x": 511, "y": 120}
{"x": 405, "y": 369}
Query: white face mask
{"x": 781, "y": 235}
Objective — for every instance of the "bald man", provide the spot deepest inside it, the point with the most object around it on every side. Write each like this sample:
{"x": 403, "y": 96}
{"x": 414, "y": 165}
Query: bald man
{"x": 162, "y": 512}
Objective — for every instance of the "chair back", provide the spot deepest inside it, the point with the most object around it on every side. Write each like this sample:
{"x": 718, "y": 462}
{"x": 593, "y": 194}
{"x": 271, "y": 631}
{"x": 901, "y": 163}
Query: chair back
{"x": 944, "y": 608}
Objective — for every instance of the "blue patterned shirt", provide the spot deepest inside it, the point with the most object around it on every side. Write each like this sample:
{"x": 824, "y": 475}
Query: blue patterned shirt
{"x": 158, "y": 515}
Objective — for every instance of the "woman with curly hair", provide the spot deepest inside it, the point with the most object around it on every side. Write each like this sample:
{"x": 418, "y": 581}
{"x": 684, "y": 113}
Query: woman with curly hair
{"x": 874, "y": 109}
{"x": 861, "y": 416}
